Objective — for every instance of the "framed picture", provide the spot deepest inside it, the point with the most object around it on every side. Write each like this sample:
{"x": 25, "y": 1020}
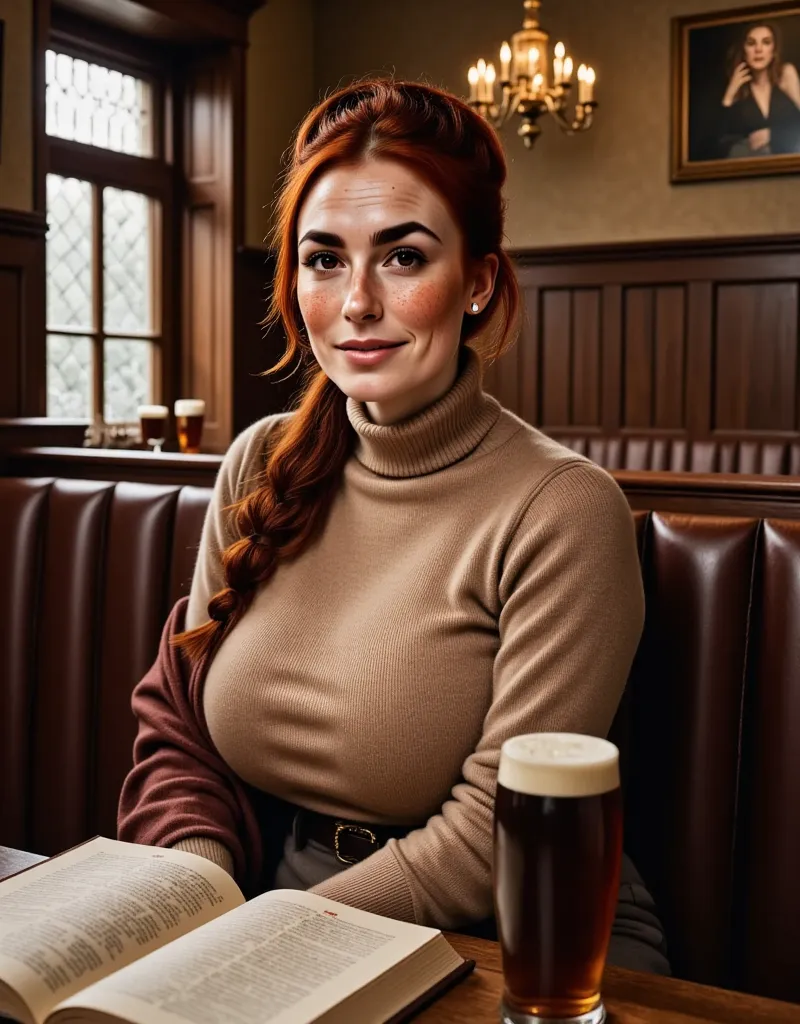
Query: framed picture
{"x": 2, "y": 28}
{"x": 736, "y": 93}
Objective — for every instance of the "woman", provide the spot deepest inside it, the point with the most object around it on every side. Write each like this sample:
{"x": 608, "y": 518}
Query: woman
{"x": 411, "y": 574}
{"x": 761, "y": 105}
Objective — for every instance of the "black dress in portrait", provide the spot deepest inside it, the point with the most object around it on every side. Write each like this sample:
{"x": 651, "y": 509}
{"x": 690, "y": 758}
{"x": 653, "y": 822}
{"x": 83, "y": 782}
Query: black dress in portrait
{"x": 745, "y": 116}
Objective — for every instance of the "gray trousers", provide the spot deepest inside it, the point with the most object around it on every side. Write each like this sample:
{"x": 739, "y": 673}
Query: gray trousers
{"x": 637, "y": 939}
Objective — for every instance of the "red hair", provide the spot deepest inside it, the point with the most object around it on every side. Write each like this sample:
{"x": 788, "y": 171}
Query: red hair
{"x": 445, "y": 142}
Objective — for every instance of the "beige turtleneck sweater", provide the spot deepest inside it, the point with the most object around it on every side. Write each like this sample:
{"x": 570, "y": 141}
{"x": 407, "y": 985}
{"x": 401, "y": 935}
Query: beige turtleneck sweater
{"x": 475, "y": 580}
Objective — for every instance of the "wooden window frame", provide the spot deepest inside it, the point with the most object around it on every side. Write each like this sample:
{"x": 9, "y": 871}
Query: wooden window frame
{"x": 155, "y": 176}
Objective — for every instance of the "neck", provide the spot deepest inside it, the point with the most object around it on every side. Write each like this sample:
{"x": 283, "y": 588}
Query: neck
{"x": 441, "y": 434}
{"x": 388, "y": 413}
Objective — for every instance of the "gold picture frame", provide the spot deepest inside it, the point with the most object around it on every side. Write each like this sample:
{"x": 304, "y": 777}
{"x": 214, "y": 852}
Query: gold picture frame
{"x": 735, "y": 94}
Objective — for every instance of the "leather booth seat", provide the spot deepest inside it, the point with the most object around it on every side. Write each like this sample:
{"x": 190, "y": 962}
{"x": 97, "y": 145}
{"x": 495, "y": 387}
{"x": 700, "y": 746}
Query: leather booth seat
{"x": 771, "y": 458}
{"x": 709, "y": 727}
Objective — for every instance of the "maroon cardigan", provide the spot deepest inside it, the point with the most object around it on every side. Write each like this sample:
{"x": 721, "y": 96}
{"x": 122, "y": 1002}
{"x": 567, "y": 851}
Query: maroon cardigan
{"x": 179, "y": 785}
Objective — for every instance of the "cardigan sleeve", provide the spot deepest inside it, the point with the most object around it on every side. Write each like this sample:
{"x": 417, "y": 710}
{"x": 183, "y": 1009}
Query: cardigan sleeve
{"x": 572, "y": 610}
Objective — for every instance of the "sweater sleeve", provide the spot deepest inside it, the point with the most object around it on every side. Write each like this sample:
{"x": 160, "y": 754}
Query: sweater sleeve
{"x": 237, "y": 475}
{"x": 572, "y": 610}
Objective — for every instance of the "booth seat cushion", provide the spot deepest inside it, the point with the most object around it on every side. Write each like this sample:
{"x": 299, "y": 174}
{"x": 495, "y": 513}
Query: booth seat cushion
{"x": 778, "y": 458}
{"x": 709, "y": 727}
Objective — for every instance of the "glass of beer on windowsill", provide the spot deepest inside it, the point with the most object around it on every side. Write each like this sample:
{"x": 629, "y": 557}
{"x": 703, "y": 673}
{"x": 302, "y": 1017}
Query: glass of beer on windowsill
{"x": 189, "y": 414}
{"x": 557, "y": 854}
{"x": 153, "y": 425}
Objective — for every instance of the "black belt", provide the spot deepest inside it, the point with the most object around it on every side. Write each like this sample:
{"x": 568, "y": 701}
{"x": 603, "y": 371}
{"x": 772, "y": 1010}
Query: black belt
{"x": 351, "y": 841}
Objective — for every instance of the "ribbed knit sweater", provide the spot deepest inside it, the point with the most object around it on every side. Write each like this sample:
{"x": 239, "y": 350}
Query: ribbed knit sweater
{"x": 474, "y": 580}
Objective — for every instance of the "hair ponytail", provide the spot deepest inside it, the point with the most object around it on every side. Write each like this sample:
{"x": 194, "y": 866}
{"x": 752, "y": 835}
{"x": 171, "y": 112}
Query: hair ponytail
{"x": 449, "y": 145}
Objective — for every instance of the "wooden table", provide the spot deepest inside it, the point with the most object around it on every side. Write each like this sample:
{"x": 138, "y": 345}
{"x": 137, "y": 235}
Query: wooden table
{"x": 630, "y": 997}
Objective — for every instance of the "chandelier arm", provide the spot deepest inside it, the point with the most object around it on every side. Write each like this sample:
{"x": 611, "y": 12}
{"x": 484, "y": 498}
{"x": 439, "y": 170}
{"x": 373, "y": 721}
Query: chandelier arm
{"x": 581, "y": 121}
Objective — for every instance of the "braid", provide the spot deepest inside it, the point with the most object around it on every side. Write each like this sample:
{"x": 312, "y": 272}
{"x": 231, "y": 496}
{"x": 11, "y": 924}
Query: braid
{"x": 281, "y": 518}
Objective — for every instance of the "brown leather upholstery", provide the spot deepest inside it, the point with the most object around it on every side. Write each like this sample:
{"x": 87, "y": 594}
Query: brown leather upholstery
{"x": 709, "y": 727}
{"x": 89, "y": 572}
{"x": 771, "y": 458}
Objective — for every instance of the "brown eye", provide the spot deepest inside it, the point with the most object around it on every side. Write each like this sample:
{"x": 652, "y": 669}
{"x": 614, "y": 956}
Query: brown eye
{"x": 407, "y": 259}
{"x": 313, "y": 261}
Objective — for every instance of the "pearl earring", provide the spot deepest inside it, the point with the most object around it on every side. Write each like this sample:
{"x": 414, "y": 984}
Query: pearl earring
{"x": 475, "y": 307}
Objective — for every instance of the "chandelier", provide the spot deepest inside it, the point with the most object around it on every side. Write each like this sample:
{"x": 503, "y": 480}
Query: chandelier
{"x": 525, "y": 85}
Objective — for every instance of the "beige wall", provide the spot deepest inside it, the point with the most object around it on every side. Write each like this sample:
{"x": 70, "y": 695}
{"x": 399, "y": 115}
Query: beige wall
{"x": 280, "y": 91}
{"x": 611, "y": 184}
{"x": 16, "y": 156}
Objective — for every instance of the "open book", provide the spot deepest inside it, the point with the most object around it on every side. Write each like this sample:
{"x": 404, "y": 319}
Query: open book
{"x": 113, "y": 931}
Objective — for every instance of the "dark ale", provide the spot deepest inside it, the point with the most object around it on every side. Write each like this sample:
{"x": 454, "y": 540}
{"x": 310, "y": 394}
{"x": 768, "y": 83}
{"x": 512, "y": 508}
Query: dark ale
{"x": 153, "y": 425}
{"x": 189, "y": 414}
{"x": 557, "y": 852}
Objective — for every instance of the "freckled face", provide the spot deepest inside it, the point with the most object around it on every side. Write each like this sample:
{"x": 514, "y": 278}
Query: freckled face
{"x": 759, "y": 48}
{"x": 405, "y": 288}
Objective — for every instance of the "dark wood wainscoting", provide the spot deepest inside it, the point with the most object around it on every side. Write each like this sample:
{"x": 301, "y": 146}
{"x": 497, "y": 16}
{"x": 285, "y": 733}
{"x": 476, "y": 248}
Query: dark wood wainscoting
{"x": 257, "y": 347}
{"x": 22, "y": 313}
{"x": 695, "y": 340}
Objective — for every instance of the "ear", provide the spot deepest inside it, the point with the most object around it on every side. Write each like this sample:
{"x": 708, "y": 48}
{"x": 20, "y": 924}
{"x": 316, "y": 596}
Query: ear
{"x": 484, "y": 275}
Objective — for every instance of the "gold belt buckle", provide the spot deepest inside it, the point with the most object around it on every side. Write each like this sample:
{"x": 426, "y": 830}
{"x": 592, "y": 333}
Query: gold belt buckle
{"x": 356, "y": 830}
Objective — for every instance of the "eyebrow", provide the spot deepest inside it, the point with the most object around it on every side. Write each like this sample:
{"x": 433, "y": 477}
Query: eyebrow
{"x": 384, "y": 237}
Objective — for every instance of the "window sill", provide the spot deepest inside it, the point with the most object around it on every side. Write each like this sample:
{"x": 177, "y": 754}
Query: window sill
{"x": 112, "y": 464}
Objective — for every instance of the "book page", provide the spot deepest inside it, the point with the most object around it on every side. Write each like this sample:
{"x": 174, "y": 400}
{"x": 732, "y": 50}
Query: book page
{"x": 285, "y": 957}
{"x": 70, "y": 921}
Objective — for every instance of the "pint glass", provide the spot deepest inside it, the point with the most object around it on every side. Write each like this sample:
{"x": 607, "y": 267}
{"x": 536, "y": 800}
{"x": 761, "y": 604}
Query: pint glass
{"x": 189, "y": 413}
{"x": 557, "y": 853}
{"x": 153, "y": 425}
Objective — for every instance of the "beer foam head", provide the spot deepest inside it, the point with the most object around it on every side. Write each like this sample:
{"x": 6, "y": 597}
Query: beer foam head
{"x": 190, "y": 407}
{"x": 558, "y": 764}
{"x": 152, "y": 412}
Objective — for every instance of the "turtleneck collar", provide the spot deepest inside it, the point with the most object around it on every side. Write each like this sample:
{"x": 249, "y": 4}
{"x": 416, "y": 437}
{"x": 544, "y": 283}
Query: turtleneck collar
{"x": 438, "y": 436}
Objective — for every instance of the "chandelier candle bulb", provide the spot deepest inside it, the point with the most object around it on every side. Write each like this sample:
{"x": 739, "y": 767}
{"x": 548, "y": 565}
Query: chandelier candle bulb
{"x": 472, "y": 78}
{"x": 490, "y": 78}
{"x": 582, "y": 84}
{"x": 590, "y": 79}
{"x": 558, "y": 63}
{"x": 505, "y": 63}
{"x": 567, "y": 74}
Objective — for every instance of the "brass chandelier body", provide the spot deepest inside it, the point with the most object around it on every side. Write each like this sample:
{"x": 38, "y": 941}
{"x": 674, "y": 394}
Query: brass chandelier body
{"x": 533, "y": 83}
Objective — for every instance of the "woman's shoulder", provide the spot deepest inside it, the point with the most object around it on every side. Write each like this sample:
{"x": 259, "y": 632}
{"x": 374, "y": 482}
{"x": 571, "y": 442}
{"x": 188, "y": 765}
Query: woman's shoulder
{"x": 789, "y": 73}
{"x": 551, "y": 473}
{"x": 246, "y": 457}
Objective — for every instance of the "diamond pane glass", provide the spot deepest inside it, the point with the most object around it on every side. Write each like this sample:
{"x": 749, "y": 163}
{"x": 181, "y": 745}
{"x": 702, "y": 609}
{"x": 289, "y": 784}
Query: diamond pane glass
{"x": 127, "y": 246}
{"x": 69, "y": 376}
{"x": 128, "y": 378}
{"x": 96, "y": 105}
{"x": 69, "y": 252}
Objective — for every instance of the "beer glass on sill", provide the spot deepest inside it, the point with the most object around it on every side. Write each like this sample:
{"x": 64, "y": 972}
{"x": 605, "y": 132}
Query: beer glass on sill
{"x": 153, "y": 425}
{"x": 189, "y": 414}
{"x": 557, "y": 854}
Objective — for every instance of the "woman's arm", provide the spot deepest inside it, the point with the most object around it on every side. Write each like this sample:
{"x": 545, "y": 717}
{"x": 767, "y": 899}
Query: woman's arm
{"x": 790, "y": 83}
{"x": 572, "y": 612}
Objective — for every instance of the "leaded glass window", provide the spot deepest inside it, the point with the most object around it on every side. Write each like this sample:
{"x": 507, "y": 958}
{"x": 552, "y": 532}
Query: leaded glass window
{"x": 103, "y": 338}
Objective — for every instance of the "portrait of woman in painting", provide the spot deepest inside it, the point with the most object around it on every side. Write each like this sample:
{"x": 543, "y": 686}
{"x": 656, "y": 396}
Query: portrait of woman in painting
{"x": 736, "y": 93}
{"x": 761, "y": 102}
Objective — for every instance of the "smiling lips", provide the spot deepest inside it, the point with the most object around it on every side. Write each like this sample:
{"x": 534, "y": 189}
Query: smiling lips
{"x": 368, "y": 345}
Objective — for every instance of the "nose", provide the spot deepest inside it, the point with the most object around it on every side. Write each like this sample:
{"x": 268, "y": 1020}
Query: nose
{"x": 362, "y": 301}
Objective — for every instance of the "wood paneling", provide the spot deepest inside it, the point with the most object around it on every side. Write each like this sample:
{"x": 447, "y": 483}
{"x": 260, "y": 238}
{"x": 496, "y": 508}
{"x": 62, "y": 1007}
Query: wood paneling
{"x": 690, "y": 340}
{"x": 22, "y": 308}
{"x": 755, "y": 356}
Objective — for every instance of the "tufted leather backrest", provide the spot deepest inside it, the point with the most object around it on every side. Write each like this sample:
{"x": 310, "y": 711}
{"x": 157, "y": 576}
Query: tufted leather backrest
{"x": 674, "y": 454}
{"x": 709, "y": 726}
{"x": 89, "y": 571}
